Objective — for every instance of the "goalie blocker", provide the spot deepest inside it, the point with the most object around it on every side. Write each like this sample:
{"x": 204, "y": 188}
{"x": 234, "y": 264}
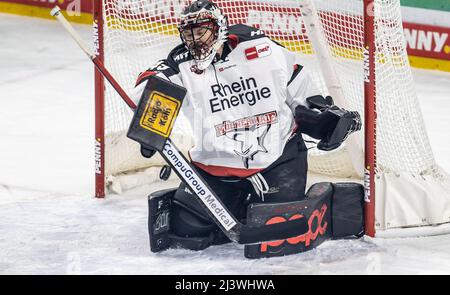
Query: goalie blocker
{"x": 332, "y": 211}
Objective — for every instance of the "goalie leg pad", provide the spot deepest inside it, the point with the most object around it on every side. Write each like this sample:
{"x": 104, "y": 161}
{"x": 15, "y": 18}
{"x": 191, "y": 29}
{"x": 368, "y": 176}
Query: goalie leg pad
{"x": 185, "y": 222}
{"x": 333, "y": 211}
{"x": 316, "y": 208}
{"x": 159, "y": 210}
{"x": 348, "y": 210}
{"x": 172, "y": 224}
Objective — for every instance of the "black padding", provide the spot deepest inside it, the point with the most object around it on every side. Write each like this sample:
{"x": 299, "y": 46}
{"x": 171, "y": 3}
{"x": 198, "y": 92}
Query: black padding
{"x": 320, "y": 189}
{"x": 185, "y": 228}
{"x": 165, "y": 192}
{"x": 319, "y": 102}
{"x": 185, "y": 223}
{"x": 327, "y": 122}
{"x": 147, "y": 152}
{"x": 159, "y": 207}
{"x": 315, "y": 213}
{"x": 314, "y": 123}
{"x": 348, "y": 210}
{"x": 346, "y": 123}
{"x": 191, "y": 243}
{"x": 277, "y": 231}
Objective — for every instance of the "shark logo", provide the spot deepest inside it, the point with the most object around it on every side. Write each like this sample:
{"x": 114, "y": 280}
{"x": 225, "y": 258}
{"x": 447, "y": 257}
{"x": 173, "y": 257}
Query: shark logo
{"x": 251, "y": 141}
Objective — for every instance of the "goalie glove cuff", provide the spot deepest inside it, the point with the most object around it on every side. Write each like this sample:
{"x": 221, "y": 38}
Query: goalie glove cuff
{"x": 327, "y": 122}
{"x": 319, "y": 102}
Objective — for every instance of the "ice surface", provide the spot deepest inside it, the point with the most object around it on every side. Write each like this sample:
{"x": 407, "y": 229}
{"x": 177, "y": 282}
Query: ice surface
{"x": 51, "y": 224}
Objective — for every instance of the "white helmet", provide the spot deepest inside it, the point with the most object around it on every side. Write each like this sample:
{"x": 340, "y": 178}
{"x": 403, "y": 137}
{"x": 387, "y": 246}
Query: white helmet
{"x": 207, "y": 15}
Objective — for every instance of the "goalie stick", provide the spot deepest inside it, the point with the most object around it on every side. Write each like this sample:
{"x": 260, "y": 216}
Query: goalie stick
{"x": 232, "y": 228}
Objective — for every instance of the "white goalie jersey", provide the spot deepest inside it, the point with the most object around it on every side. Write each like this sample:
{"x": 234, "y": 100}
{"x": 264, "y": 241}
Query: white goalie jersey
{"x": 241, "y": 107}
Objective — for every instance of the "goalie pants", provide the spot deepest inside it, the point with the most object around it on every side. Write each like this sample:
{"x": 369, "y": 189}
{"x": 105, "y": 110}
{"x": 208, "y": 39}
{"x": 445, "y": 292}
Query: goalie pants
{"x": 283, "y": 181}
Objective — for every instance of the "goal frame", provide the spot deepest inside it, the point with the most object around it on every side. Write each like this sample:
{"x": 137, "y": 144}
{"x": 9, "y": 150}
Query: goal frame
{"x": 369, "y": 109}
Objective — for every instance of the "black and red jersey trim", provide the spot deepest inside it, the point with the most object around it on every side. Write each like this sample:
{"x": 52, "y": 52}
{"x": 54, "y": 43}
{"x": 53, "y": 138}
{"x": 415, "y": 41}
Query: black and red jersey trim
{"x": 143, "y": 76}
{"x": 297, "y": 70}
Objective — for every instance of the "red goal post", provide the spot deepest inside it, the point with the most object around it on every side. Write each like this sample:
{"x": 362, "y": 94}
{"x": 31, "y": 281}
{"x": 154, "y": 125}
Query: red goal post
{"x": 99, "y": 102}
{"x": 370, "y": 117}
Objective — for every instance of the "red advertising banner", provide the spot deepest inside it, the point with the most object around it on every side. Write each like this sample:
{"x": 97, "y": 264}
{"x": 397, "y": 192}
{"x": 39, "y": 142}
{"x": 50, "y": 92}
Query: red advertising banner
{"x": 75, "y": 6}
{"x": 428, "y": 46}
{"x": 427, "y": 41}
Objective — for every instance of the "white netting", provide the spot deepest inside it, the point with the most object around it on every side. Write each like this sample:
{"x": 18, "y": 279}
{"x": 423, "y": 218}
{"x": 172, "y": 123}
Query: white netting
{"x": 136, "y": 35}
{"x": 140, "y": 32}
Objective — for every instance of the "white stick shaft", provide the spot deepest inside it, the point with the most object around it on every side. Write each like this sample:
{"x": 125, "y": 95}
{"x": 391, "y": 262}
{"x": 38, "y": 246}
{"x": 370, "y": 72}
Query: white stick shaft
{"x": 56, "y": 12}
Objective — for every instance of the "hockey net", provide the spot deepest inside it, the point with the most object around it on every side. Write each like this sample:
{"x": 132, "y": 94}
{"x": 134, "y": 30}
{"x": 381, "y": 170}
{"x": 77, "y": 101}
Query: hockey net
{"x": 410, "y": 188}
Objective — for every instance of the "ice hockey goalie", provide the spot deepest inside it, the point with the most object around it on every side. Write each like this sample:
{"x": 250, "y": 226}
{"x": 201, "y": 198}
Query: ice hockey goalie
{"x": 249, "y": 100}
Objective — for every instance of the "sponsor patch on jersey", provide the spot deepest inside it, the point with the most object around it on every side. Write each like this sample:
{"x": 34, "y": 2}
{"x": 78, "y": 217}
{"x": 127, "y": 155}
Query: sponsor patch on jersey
{"x": 221, "y": 69}
{"x": 246, "y": 123}
{"x": 160, "y": 113}
{"x": 258, "y": 51}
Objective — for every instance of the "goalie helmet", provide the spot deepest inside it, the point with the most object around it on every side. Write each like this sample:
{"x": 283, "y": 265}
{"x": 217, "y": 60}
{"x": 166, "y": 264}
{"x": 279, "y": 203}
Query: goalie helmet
{"x": 203, "y": 29}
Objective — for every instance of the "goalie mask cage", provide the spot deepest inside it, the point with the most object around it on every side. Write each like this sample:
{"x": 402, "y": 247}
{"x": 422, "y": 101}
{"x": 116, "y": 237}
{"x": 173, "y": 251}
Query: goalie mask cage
{"x": 357, "y": 52}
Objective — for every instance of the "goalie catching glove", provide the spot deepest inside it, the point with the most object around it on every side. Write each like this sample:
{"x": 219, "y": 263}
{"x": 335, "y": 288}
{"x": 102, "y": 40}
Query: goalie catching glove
{"x": 327, "y": 122}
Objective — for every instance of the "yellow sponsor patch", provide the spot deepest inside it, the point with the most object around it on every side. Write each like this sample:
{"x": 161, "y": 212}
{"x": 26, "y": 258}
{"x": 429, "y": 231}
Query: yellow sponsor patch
{"x": 160, "y": 113}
